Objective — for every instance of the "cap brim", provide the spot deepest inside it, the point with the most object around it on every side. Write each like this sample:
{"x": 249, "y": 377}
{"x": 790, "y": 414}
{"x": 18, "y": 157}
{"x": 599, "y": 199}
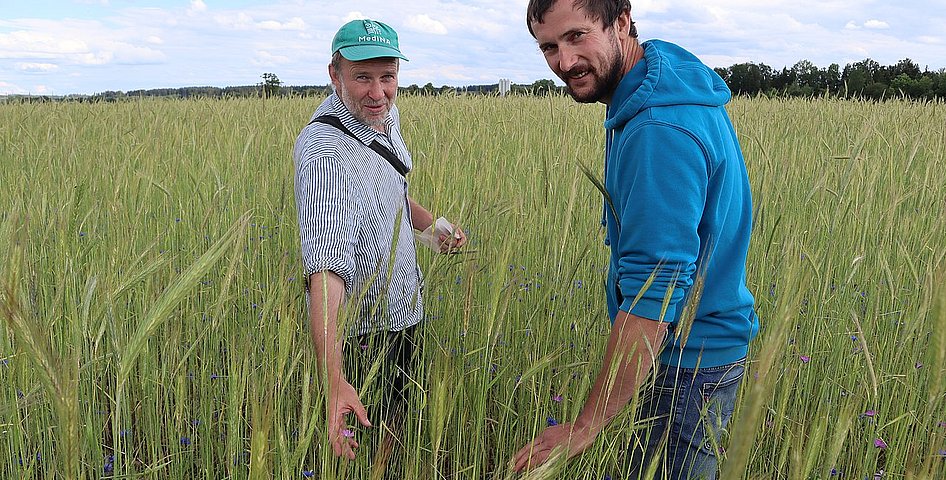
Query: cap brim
{"x": 357, "y": 53}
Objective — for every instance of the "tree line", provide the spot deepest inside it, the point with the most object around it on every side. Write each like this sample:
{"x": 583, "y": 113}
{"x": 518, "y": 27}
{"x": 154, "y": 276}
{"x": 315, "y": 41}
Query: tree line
{"x": 866, "y": 79}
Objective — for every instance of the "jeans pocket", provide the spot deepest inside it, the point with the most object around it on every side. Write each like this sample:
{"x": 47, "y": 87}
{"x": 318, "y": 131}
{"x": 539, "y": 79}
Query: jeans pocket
{"x": 718, "y": 401}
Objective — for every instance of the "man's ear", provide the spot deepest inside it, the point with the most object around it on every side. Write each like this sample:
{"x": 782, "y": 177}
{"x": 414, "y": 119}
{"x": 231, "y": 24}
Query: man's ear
{"x": 623, "y": 23}
{"x": 333, "y": 75}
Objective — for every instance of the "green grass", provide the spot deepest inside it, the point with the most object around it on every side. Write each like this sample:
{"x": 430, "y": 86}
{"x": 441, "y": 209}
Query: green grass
{"x": 153, "y": 310}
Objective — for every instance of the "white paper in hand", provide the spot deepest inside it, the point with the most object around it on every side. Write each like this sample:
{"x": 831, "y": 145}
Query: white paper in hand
{"x": 431, "y": 236}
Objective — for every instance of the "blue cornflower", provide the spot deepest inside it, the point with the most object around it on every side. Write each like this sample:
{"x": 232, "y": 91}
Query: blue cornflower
{"x": 308, "y": 473}
{"x": 185, "y": 441}
{"x": 551, "y": 421}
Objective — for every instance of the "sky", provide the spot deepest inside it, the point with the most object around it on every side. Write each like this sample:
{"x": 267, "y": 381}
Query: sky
{"x": 60, "y": 47}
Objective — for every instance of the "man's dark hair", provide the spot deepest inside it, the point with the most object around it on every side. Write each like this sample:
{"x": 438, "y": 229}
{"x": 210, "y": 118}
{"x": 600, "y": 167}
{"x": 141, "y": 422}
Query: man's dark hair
{"x": 606, "y": 11}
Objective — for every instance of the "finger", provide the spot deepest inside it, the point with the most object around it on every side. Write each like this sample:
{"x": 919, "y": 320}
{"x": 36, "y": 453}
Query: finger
{"x": 523, "y": 455}
{"x": 536, "y": 459}
{"x": 336, "y": 448}
{"x": 344, "y": 447}
{"x": 361, "y": 414}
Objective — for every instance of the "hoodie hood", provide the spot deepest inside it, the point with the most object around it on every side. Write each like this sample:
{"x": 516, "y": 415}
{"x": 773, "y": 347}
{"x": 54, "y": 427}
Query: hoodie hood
{"x": 667, "y": 75}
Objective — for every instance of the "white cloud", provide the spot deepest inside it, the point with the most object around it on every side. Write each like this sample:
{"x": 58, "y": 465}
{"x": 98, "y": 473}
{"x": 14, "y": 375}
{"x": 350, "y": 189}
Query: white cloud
{"x": 154, "y": 40}
{"x": 876, "y": 24}
{"x": 245, "y": 21}
{"x": 266, "y": 59}
{"x": 73, "y": 42}
{"x": 196, "y": 6}
{"x": 353, "y": 16}
{"x": 35, "y": 67}
{"x": 852, "y": 25}
{"x": 425, "y": 24}
{"x": 295, "y": 23}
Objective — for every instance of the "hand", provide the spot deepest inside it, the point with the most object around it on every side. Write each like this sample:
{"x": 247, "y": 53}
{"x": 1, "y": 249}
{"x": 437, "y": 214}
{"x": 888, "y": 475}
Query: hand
{"x": 342, "y": 400}
{"x": 574, "y": 439}
{"x": 451, "y": 243}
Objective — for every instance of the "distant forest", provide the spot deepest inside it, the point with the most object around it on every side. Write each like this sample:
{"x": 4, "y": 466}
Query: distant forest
{"x": 866, "y": 79}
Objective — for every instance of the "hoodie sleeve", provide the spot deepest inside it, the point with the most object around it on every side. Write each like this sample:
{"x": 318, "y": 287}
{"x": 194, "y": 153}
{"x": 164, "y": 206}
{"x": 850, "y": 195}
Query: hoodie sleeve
{"x": 659, "y": 188}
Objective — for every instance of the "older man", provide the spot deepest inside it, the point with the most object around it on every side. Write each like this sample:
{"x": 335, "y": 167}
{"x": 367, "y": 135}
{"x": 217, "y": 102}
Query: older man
{"x": 678, "y": 214}
{"x": 356, "y": 221}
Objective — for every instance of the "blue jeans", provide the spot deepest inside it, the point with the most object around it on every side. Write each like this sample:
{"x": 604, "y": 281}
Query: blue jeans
{"x": 688, "y": 410}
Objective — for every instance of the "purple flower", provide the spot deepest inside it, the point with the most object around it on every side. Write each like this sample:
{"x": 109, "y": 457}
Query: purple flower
{"x": 185, "y": 441}
{"x": 869, "y": 413}
{"x": 805, "y": 359}
{"x": 918, "y": 365}
{"x": 308, "y": 473}
{"x": 880, "y": 443}
{"x": 348, "y": 433}
{"x": 551, "y": 421}
{"x": 557, "y": 398}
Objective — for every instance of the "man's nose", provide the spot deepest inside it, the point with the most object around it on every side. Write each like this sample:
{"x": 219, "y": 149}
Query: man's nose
{"x": 567, "y": 58}
{"x": 376, "y": 92}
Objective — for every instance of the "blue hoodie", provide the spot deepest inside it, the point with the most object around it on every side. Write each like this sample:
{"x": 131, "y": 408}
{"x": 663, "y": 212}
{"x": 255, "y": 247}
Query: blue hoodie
{"x": 679, "y": 210}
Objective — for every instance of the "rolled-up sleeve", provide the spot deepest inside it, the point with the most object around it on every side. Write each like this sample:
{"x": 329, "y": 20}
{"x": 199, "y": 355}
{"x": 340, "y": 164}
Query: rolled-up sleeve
{"x": 328, "y": 214}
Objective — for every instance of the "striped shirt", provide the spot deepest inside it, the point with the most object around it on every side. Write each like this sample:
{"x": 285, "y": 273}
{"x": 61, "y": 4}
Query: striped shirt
{"x": 349, "y": 200}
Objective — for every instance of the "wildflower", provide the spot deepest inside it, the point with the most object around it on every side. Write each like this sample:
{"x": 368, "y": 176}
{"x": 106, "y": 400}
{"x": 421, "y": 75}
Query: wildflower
{"x": 557, "y": 398}
{"x": 880, "y": 443}
{"x": 835, "y": 472}
{"x": 941, "y": 424}
{"x": 348, "y": 433}
{"x": 805, "y": 359}
{"x": 109, "y": 466}
{"x": 579, "y": 284}
{"x": 869, "y": 413}
{"x": 941, "y": 453}
{"x": 185, "y": 441}
{"x": 308, "y": 473}
{"x": 918, "y": 365}
{"x": 551, "y": 421}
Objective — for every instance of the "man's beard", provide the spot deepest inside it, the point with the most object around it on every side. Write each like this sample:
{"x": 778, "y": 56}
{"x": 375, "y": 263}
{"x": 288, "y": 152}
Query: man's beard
{"x": 356, "y": 111}
{"x": 605, "y": 85}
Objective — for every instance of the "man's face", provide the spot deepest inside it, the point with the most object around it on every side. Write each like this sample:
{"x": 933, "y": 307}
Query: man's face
{"x": 367, "y": 88}
{"x": 586, "y": 55}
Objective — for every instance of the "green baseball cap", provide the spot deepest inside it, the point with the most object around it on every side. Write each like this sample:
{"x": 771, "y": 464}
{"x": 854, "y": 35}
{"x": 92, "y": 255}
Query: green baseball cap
{"x": 365, "y": 39}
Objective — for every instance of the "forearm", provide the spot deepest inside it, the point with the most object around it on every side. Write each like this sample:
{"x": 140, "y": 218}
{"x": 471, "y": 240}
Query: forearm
{"x": 326, "y": 294}
{"x": 632, "y": 347}
{"x": 421, "y": 218}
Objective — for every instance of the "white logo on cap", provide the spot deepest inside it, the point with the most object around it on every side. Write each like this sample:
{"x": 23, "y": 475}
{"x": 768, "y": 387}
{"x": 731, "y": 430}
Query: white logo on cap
{"x": 372, "y": 28}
